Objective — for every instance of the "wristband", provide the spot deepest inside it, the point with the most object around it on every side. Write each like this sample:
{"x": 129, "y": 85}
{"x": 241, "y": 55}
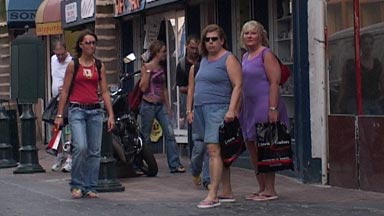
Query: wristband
{"x": 188, "y": 111}
{"x": 59, "y": 116}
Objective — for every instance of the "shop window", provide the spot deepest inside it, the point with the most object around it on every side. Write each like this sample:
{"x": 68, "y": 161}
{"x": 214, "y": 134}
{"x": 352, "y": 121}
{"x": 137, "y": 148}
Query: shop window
{"x": 341, "y": 52}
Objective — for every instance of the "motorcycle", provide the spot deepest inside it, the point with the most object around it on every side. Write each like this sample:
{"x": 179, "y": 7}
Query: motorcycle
{"x": 127, "y": 140}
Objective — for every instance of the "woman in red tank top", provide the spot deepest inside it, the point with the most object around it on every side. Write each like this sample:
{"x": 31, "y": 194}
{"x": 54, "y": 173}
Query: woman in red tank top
{"x": 85, "y": 115}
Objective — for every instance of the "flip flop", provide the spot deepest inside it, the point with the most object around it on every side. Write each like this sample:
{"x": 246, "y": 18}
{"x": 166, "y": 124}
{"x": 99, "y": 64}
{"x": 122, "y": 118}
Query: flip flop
{"x": 265, "y": 197}
{"x": 208, "y": 204}
{"x": 252, "y": 196}
{"x": 227, "y": 199}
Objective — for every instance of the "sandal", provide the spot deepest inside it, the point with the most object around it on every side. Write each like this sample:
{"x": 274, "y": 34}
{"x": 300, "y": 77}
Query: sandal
{"x": 76, "y": 193}
{"x": 228, "y": 199}
{"x": 91, "y": 194}
{"x": 265, "y": 197}
{"x": 208, "y": 204}
{"x": 252, "y": 196}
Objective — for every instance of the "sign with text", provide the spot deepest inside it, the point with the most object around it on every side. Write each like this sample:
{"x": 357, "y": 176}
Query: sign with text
{"x": 49, "y": 28}
{"x": 71, "y": 12}
{"x": 14, "y": 16}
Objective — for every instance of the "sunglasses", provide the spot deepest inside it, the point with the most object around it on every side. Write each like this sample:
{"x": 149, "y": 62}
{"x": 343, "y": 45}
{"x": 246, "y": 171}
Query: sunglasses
{"x": 213, "y": 39}
{"x": 90, "y": 42}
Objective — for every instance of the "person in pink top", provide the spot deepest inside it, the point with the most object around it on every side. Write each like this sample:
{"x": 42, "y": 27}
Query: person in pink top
{"x": 261, "y": 100}
{"x": 155, "y": 103}
{"x": 85, "y": 115}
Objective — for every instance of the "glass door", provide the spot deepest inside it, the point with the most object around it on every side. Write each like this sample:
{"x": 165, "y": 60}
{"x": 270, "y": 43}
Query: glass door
{"x": 175, "y": 40}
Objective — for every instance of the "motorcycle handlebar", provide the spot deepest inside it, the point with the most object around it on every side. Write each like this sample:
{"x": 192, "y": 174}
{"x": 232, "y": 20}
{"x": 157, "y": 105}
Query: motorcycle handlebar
{"x": 129, "y": 75}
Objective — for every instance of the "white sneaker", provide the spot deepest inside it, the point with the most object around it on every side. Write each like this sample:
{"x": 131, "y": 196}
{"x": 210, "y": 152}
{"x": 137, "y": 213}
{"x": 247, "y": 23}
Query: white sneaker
{"x": 67, "y": 166}
{"x": 59, "y": 160}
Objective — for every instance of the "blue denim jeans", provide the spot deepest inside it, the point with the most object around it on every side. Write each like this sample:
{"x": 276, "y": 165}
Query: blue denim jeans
{"x": 148, "y": 113}
{"x": 200, "y": 160}
{"x": 86, "y": 131}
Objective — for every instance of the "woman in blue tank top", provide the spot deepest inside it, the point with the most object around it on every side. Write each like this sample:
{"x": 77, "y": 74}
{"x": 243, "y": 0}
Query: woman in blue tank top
{"x": 216, "y": 89}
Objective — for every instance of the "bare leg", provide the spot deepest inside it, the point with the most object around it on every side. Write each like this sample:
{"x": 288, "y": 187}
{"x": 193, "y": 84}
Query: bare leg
{"x": 270, "y": 184}
{"x": 251, "y": 146}
{"x": 226, "y": 182}
{"x": 215, "y": 169}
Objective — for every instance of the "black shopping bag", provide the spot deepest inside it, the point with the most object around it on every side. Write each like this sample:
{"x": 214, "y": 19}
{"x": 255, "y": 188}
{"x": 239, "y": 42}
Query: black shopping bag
{"x": 274, "y": 147}
{"x": 231, "y": 141}
{"x": 50, "y": 111}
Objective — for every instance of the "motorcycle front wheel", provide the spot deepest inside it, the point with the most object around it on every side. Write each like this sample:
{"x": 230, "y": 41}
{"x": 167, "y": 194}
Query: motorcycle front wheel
{"x": 146, "y": 162}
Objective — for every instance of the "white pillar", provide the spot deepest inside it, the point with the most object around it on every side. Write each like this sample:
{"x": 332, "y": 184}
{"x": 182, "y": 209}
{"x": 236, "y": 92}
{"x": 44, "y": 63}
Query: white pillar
{"x": 318, "y": 82}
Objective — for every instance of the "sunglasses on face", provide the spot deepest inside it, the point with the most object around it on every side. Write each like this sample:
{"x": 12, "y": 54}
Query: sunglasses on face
{"x": 90, "y": 42}
{"x": 213, "y": 39}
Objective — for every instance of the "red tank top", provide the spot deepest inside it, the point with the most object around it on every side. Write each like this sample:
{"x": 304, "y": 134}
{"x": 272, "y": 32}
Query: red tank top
{"x": 85, "y": 85}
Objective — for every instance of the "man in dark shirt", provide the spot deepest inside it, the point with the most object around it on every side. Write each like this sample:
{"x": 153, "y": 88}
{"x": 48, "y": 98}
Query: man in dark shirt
{"x": 182, "y": 75}
{"x": 182, "y": 72}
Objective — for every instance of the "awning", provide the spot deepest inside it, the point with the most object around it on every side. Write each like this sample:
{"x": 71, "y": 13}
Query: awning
{"x": 48, "y": 18}
{"x": 21, "y": 13}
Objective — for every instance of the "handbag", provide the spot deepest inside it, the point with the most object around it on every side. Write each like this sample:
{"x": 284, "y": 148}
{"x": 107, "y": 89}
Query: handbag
{"x": 134, "y": 97}
{"x": 231, "y": 141}
{"x": 274, "y": 147}
{"x": 285, "y": 70}
{"x": 50, "y": 112}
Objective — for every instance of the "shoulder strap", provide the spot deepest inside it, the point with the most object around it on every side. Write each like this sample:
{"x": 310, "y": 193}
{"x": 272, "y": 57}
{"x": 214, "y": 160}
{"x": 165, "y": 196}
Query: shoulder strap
{"x": 263, "y": 53}
{"x": 77, "y": 65}
{"x": 98, "y": 66}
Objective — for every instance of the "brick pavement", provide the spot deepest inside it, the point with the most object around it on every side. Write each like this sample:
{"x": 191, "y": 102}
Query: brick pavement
{"x": 174, "y": 194}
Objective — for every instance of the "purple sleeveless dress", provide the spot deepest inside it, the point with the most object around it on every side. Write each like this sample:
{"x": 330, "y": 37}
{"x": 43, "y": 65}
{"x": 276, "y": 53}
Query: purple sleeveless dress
{"x": 255, "y": 103}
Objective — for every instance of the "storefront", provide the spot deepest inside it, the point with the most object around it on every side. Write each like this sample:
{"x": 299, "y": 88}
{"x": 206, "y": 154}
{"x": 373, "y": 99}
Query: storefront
{"x": 21, "y": 16}
{"x": 156, "y": 20}
{"x": 48, "y": 27}
{"x": 356, "y": 81}
{"x": 177, "y": 19}
{"x": 76, "y": 16}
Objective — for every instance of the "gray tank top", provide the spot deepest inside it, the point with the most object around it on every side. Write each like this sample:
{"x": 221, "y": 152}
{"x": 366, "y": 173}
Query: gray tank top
{"x": 212, "y": 83}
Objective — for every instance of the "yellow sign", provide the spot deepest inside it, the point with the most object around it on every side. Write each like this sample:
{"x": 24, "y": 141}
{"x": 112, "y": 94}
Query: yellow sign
{"x": 53, "y": 28}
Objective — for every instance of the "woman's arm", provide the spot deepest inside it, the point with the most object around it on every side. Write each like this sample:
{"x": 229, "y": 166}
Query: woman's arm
{"x": 68, "y": 78}
{"x": 145, "y": 75}
{"x": 191, "y": 92}
{"x": 236, "y": 77}
{"x": 106, "y": 98}
{"x": 272, "y": 68}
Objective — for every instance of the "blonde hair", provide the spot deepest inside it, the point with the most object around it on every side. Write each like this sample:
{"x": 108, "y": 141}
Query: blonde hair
{"x": 254, "y": 25}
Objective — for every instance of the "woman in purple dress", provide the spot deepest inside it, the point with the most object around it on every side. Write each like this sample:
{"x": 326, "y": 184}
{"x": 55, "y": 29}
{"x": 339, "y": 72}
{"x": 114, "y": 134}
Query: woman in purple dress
{"x": 261, "y": 100}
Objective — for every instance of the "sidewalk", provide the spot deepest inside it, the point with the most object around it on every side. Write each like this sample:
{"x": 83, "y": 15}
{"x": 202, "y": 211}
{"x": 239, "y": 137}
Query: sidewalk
{"x": 174, "y": 194}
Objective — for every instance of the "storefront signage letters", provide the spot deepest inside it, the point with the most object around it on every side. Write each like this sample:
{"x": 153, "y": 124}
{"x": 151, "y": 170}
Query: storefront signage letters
{"x": 87, "y": 8}
{"x": 71, "y": 12}
{"x": 21, "y": 15}
{"x": 49, "y": 28}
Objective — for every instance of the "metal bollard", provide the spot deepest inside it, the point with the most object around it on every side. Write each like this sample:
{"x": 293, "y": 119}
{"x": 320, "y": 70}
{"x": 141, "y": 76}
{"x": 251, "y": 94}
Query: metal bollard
{"x": 6, "y": 153}
{"x": 107, "y": 175}
{"x": 29, "y": 160}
